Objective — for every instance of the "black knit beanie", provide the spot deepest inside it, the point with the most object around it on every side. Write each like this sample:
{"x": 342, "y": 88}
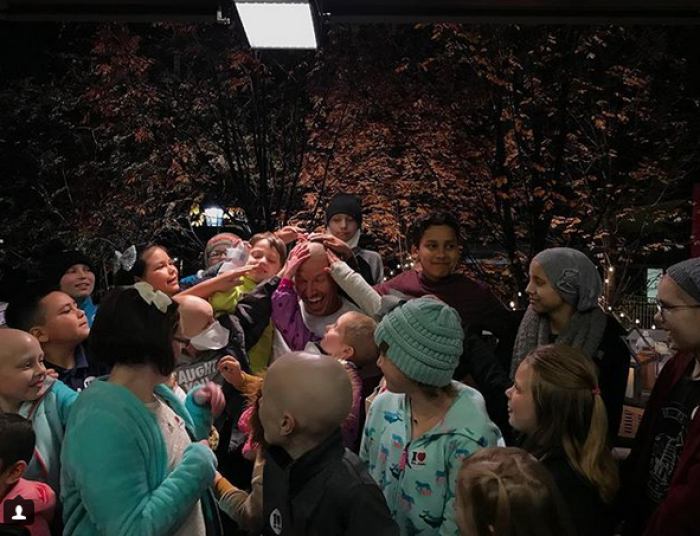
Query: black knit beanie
{"x": 345, "y": 204}
{"x": 55, "y": 266}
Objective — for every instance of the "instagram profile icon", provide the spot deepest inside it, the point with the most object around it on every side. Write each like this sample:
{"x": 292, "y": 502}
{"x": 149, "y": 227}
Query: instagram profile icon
{"x": 18, "y": 511}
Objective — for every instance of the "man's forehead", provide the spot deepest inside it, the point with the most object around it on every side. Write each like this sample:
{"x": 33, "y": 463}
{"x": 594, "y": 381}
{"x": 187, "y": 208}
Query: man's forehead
{"x": 313, "y": 266}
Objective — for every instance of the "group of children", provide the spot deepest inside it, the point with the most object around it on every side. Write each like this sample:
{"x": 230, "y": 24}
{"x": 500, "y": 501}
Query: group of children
{"x": 258, "y": 390}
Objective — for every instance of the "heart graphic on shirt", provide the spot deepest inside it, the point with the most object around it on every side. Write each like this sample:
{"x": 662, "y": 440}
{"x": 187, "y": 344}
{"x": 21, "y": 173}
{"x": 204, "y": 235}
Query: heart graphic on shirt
{"x": 421, "y": 456}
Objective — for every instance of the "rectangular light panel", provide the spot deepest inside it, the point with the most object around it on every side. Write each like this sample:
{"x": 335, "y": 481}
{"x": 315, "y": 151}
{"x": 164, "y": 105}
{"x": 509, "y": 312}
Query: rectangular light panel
{"x": 283, "y": 25}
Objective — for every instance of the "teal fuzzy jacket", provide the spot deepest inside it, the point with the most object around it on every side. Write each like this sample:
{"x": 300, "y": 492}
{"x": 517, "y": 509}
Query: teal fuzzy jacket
{"x": 49, "y": 414}
{"x": 114, "y": 477}
{"x": 419, "y": 476}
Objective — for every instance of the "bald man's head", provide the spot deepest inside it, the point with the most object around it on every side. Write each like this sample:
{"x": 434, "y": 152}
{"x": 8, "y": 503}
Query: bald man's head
{"x": 196, "y": 314}
{"x": 305, "y": 398}
{"x": 22, "y": 370}
{"x": 314, "y": 286}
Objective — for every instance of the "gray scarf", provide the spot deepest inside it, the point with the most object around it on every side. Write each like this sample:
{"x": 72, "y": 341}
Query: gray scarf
{"x": 584, "y": 331}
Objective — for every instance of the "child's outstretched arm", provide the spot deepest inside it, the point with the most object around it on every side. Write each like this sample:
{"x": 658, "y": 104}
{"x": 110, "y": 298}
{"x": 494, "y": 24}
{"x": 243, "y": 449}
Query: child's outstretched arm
{"x": 243, "y": 507}
{"x": 221, "y": 283}
{"x": 354, "y": 285}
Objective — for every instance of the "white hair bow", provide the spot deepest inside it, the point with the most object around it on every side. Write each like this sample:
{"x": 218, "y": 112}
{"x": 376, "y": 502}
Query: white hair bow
{"x": 153, "y": 297}
{"x": 125, "y": 260}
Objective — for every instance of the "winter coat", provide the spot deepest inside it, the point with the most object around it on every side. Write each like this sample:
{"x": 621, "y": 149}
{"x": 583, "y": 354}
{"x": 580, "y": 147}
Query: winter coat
{"x": 326, "y": 492}
{"x": 49, "y": 414}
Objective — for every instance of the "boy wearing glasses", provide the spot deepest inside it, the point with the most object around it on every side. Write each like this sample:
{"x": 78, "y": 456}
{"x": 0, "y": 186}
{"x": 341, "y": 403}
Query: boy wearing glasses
{"x": 662, "y": 474}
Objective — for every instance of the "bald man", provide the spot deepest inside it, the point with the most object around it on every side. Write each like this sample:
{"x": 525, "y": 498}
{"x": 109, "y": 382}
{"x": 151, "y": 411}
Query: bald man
{"x": 312, "y": 484}
{"x": 308, "y": 299}
{"x": 27, "y": 390}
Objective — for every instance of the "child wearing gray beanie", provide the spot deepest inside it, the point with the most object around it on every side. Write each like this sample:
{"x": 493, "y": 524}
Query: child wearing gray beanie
{"x": 420, "y": 429}
{"x": 564, "y": 289}
{"x": 660, "y": 483}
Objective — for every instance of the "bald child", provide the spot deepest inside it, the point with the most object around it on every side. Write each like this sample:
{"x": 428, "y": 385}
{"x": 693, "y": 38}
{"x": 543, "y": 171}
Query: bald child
{"x": 27, "y": 390}
{"x": 312, "y": 485}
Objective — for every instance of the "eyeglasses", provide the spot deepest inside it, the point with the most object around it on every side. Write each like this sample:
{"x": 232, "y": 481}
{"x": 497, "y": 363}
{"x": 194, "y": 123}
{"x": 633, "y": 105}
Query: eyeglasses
{"x": 662, "y": 309}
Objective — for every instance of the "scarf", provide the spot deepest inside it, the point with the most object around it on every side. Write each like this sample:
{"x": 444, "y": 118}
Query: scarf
{"x": 584, "y": 331}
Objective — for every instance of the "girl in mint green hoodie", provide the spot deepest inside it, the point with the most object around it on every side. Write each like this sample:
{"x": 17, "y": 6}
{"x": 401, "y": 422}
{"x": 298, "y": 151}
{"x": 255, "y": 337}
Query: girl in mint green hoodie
{"x": 419, "y": 431}
{"x": 132, "y": 459}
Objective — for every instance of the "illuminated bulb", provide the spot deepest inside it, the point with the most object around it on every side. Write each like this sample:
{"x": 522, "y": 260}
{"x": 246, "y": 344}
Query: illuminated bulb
{"x": 637, "y": 321}
{"x": 520, "y": 294}
{"x": 512, "y": 305}
{"x": 611, "y": 269}
{"x": 607, "y": 281}
{"x": 622, "y": 315}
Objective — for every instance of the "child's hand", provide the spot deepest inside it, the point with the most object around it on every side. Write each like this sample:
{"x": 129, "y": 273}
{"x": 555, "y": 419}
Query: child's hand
{"x": 230, "y": 369}
{"x": 290, "y": 233}
{"x": 332, "y": 259}
{"x": 297, "y": 257}
{"x": 52, "y": 372}
{"x": 213, "y": 395}
{"x": 336, "y": 244}
{"x": 226, "y": 281}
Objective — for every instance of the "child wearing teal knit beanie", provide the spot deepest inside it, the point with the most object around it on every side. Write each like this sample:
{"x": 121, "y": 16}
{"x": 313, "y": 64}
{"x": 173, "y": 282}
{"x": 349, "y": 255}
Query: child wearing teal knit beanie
{"x": 418, "y": 432}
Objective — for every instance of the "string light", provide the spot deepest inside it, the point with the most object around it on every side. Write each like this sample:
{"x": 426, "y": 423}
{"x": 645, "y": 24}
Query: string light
{"x": 637, "y": 321}
{"x": 622, "y": 315}
{"x": 520, "y": 294}
{"x": 512, "y": 305}
{"x": 607, "y": 281}
{"x": 611, "y": 269}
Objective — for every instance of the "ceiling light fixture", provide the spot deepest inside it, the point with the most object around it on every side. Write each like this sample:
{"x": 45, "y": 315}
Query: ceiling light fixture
{"x": 278, "y": 23}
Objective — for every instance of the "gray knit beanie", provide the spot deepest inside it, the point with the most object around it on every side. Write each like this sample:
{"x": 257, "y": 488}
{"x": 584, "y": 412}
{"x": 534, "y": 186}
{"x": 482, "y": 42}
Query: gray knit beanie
{"x": 425, "y": 339}
{"x": 573, "y": 275}
{"x": 686, "y": 275}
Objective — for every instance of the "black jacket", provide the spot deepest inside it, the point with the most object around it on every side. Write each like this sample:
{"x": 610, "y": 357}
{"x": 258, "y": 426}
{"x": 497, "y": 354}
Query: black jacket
{"x": 590, "y": 516}
{"x": 326, "y": 492}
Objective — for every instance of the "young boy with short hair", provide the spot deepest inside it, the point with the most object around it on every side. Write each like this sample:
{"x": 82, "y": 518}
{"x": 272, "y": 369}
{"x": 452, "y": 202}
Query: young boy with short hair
{"x": 16, "y": 448}
{"x": 55, "y": 319}
{"x": 25, "y": 389}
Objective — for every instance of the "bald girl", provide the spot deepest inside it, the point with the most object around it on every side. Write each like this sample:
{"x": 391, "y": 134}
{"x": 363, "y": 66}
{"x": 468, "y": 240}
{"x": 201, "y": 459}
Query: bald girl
{"x": 313, "y": 484}
{"x": 305, "y": 398}
{"x": 196, "y": 314}
{"x": 22, "y": 371}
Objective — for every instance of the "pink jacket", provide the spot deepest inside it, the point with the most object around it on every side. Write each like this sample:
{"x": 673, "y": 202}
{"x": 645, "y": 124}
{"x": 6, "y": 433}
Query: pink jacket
{"x": 44, "y": 500}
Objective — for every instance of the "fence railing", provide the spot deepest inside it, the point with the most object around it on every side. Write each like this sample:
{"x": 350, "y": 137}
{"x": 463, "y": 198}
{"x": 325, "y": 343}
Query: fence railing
{"x": 636, "y": 311}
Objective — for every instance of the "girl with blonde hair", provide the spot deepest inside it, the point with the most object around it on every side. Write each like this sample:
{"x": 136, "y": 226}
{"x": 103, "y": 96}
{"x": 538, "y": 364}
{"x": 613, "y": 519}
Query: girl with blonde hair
{"x": 555, "y": 404}
{"x": 507, "y": 492}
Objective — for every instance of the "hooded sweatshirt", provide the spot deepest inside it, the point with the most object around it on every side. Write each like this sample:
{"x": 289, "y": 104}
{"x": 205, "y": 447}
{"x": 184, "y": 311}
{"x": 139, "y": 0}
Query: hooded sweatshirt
{"x": 419, "y": 476}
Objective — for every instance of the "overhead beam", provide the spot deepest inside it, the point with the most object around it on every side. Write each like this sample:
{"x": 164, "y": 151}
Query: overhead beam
{"x": 514, "y": 11}
{"x": 113, "y": 10}
{"x": 370, "y": 11}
